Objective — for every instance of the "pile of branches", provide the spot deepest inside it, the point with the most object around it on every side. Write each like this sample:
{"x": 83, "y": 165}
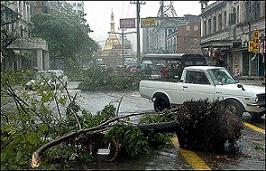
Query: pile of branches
{"x": 206, "y": 126}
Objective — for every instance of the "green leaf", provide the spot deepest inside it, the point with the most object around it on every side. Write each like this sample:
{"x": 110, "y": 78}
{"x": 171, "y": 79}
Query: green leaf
{"x": 62, "y": 101}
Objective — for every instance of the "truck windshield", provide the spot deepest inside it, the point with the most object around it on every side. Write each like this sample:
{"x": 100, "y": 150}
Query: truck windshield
{"x": 221, "y": 76}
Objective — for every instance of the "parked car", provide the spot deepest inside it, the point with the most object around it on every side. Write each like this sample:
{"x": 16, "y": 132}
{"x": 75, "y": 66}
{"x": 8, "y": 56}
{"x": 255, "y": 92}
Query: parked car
{"x": 48, "y": 78}
{"x": 205, "y": 82}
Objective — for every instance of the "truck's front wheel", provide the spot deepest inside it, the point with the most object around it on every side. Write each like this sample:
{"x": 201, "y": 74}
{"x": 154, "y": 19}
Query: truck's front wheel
{"x": 235, "y": 107}
{"x": 161, "y": 103}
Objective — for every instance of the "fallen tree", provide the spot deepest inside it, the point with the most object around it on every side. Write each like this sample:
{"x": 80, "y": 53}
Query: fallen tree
{"x": 199, "y": 125}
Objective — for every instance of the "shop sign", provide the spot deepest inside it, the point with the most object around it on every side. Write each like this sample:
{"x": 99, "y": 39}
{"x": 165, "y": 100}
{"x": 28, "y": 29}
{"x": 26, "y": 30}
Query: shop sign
{"x": 250, "y": 46}
{"x": 148, "y": 22}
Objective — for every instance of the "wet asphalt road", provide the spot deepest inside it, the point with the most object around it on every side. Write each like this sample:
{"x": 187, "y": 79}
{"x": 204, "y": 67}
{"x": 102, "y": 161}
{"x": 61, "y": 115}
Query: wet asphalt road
{"x": 252, "y": 156}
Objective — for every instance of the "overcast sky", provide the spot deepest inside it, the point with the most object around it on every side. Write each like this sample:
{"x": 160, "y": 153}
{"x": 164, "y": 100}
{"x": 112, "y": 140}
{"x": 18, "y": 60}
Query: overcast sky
{"x": 99, "y": 15}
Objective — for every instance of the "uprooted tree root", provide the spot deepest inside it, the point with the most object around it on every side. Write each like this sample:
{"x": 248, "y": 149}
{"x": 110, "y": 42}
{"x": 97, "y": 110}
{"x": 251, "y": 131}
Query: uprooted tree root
{"x": 206, "y": 126}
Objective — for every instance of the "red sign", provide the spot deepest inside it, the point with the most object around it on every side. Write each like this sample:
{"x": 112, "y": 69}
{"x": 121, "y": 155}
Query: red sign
{"x": 127, "y": 23}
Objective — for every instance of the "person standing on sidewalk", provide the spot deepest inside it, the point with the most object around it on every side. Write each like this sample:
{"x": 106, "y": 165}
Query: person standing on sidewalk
{"x": 236, "y": 72}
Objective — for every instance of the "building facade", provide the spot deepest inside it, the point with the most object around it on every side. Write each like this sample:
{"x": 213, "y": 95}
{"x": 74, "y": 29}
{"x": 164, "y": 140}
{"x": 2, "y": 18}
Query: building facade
{"x": 228, "y": 26}
{"x": 13, "y": 56}
{"x": 188, "y": 36}
{"x": 172, "y": 34}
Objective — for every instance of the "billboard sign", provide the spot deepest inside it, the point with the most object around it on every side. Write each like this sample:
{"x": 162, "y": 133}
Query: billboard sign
{"x": 127, "y": 23}
{"x": 148, "y": 22}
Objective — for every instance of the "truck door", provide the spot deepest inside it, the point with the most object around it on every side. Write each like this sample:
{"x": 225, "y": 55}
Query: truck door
{"x": 197, "y": 86}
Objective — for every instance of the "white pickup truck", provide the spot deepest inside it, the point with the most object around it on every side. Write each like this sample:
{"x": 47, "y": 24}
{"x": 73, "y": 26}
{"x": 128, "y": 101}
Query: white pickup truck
{"x": 205, "y": 82}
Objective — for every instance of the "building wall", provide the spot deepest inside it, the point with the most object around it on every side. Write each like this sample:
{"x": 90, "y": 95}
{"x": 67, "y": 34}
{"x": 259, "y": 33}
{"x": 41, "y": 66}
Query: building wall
{"x": 233, "y": 22}
{"x": 188, "y": 38}
{"x": 14, "y": 58}
{"x": 145, "y": 40}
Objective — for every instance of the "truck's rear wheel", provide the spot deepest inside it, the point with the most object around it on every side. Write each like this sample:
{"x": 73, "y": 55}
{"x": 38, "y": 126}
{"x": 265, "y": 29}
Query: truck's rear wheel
{"x": 235, "y": 107}
{"x": 161, "y": 103}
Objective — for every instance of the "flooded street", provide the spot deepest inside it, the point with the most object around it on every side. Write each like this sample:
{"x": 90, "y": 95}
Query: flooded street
{"x": 252, "y": 154}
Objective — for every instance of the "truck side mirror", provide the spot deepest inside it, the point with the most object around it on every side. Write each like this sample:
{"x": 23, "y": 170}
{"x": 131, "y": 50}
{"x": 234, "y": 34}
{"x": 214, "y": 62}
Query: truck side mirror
{"x": 240, "y": 86}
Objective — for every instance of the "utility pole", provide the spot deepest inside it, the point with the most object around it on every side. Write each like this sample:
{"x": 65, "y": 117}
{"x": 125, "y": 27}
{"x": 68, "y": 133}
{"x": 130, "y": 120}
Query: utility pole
{"x": 161, "y": 8}
{"x": 123, "y": 54}
{"x": 249, "y": 56}
{"x": 138, "y": 3}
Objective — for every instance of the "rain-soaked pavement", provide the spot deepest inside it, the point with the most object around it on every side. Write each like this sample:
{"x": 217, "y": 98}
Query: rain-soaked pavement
{"x": 252, "y": 156}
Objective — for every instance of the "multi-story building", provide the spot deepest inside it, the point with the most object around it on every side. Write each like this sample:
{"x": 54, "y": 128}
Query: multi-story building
{"x": 19, "y": 28}
{"x": 186, "y": 38}
{"x": 172, "y": 34}
{"x": 228, "y": 26}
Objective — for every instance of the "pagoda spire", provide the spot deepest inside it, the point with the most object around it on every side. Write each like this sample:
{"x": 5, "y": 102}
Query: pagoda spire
{"x": 112, "y": 23}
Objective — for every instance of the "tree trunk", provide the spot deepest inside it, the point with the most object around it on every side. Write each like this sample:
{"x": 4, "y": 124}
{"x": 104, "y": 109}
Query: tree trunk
{"x": 159, "y": 127}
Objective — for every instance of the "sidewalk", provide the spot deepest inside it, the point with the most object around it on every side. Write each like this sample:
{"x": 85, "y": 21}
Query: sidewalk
{"x": 252, "y": 80}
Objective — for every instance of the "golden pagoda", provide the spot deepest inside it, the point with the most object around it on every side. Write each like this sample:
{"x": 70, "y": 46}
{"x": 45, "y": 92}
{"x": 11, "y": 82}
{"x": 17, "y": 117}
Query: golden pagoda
{"x": 111, "y": 54}
{"x": 112, "y": 39}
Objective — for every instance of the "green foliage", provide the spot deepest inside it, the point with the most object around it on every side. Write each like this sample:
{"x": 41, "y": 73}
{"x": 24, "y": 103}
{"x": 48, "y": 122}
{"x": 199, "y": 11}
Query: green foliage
{"x": 88, "y": 120}
{"x": 133, "y": 141}
{"x": 67, "y": 36}
{"x": 20, "y": 77}
{"x": 96, "y": 79}
{"x": 158, "y": 139}
{"x": 27, "y": 124}
{"x": 165, "y": 117}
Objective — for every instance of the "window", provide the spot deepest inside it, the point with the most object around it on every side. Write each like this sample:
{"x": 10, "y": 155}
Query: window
{"x": 196, "y": 28}
{"x": 21, "y": 31}
{"x": 214, "y": 24}
{"x": 220, "y": 22}
{"x": 209, "y": 26}
{"x": 225, "y": 24}
{"x": 196, "y": 77}
{"x": 232, "y": 17}
{"x": 205, "y": 28}
{"x": 252, "y": 10}
{"x": 237, "y": 15}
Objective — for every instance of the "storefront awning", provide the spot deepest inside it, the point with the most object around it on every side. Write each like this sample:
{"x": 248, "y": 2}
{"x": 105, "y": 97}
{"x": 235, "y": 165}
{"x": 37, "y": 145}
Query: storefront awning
{"x": 218, "y": 43}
